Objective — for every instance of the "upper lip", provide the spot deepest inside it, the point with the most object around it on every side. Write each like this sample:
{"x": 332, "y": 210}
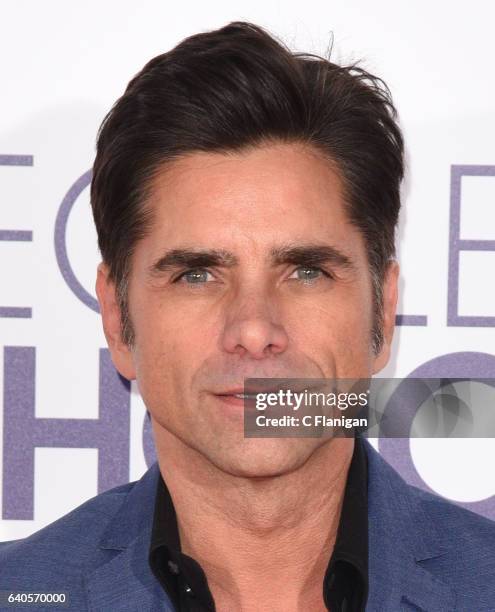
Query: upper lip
{"x": 241, "y": 391}
{"x": 244, "y": 391}
{"x": 260, "y": 389}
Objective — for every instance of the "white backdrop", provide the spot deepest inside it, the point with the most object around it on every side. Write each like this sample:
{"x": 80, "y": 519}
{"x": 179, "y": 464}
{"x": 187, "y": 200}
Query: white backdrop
{"x": 62, "y": 67}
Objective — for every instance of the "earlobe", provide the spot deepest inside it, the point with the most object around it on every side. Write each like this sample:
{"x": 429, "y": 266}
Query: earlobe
{"x": 111, "y": 319}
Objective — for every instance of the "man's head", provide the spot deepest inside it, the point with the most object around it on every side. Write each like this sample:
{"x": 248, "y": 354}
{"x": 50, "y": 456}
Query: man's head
{"x": 245, "y": 200}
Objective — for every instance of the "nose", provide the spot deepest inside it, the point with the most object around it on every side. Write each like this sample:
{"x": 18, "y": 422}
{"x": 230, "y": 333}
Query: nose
{"x": 252, "y": 328}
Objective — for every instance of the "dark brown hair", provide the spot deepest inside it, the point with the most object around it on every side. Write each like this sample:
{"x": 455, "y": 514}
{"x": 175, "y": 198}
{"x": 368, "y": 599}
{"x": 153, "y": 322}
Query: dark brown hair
{"x": 235, "y": 88}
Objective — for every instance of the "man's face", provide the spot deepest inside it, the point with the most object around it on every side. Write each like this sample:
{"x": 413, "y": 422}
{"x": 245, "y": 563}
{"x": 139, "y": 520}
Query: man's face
{"x": 251, "y": 270}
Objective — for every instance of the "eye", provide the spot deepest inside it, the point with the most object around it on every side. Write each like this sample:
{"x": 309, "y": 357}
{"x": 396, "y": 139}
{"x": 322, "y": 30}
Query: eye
{"x": 194, "y": 276}
{"x": 309, "y": 274}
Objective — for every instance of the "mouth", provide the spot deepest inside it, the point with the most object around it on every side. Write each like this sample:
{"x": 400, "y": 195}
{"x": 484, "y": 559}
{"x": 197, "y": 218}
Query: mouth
{"x": 248, "y": 396}
{"x": 238, "y": 398}
{"x": 250, "y": 391}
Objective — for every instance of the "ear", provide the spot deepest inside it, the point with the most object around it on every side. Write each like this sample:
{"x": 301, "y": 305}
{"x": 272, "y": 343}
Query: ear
{"x": 390, "y": 295}
{"x": 111, "y": 317}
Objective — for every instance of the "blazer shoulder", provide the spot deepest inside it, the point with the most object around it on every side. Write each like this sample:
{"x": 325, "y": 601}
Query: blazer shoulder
{"x": 440, "y": 545}
{"x": 430, "y": 513}
{"x": 67, "y": 544}
{"x": 456, "y": 520}
{"x": 467, "y": 562}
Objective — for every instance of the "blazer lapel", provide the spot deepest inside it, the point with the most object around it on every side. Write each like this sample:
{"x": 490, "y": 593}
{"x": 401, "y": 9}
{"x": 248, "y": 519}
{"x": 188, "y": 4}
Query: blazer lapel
{"x": 401, "y": 535}
{"x": 121, "y": 579}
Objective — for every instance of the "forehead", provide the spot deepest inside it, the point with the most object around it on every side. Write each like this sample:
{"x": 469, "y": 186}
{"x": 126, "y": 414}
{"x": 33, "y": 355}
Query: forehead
{"x": 269, "y": 194}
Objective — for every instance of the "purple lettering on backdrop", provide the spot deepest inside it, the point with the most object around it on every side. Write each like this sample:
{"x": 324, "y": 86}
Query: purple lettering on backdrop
{"x": 456, "y": 245}
{"x": 61, "y": 246}
{"x": 416, "y": 320}
{"x": 16, "y": 312}
{"x": 397, "y": 451}
{"x": 23, "y": 431}
{"x": 148, "y": 443}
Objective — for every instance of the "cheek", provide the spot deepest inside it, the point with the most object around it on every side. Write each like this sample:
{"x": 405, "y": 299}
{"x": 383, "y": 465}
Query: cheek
{"x": 169, "y": 347}
{"x": 155, "y": 345}
{"x": 355, "y": 356}
{"x": 157, "y": 325}
{"x": 336, "y": 328}
{"x": 162, "y": 371}
{"x": 344, "y": 313}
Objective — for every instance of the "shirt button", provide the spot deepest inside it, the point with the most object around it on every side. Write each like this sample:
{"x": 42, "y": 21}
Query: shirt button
{"x": 173, "y": 567}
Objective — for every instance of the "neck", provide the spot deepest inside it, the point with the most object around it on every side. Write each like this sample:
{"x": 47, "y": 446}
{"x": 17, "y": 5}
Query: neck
{"x": 263, "y": 543}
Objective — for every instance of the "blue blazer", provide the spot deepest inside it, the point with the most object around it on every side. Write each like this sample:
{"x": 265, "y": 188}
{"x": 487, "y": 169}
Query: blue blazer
{"x": 425, "y": 553}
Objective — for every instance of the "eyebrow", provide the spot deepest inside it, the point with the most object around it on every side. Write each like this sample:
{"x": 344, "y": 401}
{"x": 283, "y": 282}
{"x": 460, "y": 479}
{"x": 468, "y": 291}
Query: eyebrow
{"x": 191, "y": 258}
{"x": 311, "y": 255}
{"x": 303, "y": 255}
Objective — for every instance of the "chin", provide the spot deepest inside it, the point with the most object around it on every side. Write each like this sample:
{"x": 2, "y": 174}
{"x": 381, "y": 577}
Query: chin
{"x": 262, "y": 458}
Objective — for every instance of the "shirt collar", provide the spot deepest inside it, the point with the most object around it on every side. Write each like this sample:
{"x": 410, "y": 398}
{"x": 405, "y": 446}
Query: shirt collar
{"x": 345, "y": 585}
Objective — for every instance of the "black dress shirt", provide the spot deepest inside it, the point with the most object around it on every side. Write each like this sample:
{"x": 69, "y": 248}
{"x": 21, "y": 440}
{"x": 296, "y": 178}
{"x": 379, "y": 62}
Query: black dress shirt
{"x": 345, "y": 585}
